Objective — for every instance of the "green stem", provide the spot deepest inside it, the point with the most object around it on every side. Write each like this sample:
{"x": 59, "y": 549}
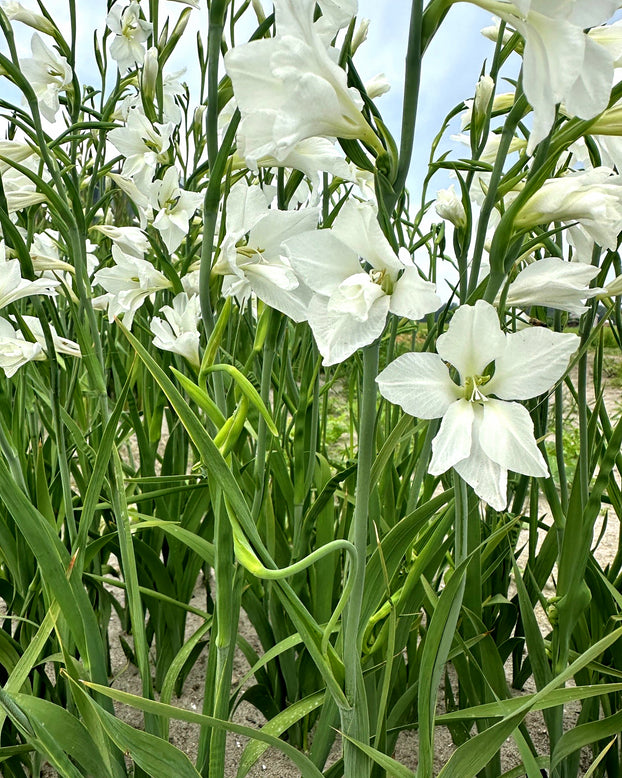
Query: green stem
{"x": 355, "y": 720}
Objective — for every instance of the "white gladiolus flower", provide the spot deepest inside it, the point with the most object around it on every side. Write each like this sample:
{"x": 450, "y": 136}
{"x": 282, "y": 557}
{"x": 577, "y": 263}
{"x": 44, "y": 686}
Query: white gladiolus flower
{"x": 131, "y": 32}
{"x": 561, "y": 63}
{"x": 61, "y": 345}
{"x": 143, "y": 145}
{"x": 290, "y": 88}
{"x": 15, "y": 350}
{"x": 137, "y": 196}
{"x": 259, "y": 263}
{"x": 357, "y": 280}
{"x": 482, "y": 435}
{"x": 594, "y": 199}
{"x": 131, "y": 240}
{"x": 179, "y": 332}
{"x": 175, "y": 208}
{"x": 49, "y": 74}
{"x": 311, "y": 156}
{"x": 553, "y": 283}
{"x": 449, "y": 206}
{"x": 128, "y": 284}
{"x": 16, "y": 12}
{"x": 13, "y": 287}
{"x": 14, "y": 151}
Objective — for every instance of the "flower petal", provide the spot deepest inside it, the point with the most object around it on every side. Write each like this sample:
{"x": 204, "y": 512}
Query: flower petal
{"x": 507, "y": 437}
{"x": 532, "y": 362}
{"x": 453, "y": 441}
{"x": 488, "y": 479}
{"x": 413, "y": 297}
{"x": 420, "y": 384}
{"x": 321, "y": 260}
{"x": 473, "y": 339}
{"x": 339, "y": 335}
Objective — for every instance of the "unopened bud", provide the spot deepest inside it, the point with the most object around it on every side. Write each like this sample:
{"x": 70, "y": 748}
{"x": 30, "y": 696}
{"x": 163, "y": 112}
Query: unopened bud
{"x": 449, "y": 206}
{"x": 377, "y": 86}
{"x": 149, "y": 76}
{"x": 16, "y": 12}
{"x": 360, "y": 35}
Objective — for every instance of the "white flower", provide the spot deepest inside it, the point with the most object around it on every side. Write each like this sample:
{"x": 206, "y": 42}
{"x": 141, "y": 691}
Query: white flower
{"x": 482, "y": 435}
{"x": 449, "y": 206}
{"x": 594, "y": 199}
{"x": 553, "y": 283}
{"x": 130, "y": 34}
{"x": 48, "y": 74}
{"x": 357, "y": 280}
{"x": 311, "y": 156}
{"x": 136, "y": 195}
{"x": 561, "y": 63}
{"x": 259, "y": 263}
{"x": 128, "y": 284}
{"x": 377, "y": 85}
{"x": 175, "y": 208}
{"x": 16, "y": 12}
{"x": 15, "y": 151}
{"x": 131, "y": 240}
{"x": 61, "y": 345}
{"x": 13, "y": 287}
{"x": 15, "y": 350}
{"x": 179, "y": 332}
{"x": 290, "y": 88}
{"x": 143, "y": 145}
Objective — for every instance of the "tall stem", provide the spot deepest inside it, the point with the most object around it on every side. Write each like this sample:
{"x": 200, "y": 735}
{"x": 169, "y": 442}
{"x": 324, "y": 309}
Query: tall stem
{"x": 355, "y": 720}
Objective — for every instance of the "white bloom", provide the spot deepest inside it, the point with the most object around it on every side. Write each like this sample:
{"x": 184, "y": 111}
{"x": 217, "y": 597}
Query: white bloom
{"x": 131, "y": 240}
{"x": 61, "y": 345}
{"x": 15, "y": 151}
{"x": 449, "y": 206}
{"x": 481, "y": 436}
{"x": 136, "y": 195}
{"x": 143, "y": 145}
{"x": 130, "y": 34}
{"x": 259, "y": 263}
{"x": 15, "y": 350}
{"x": 311, "y": 156}
{"x": 561, "y": 63}
{"x": 49, "y": 74}
{"x": 128, "y": 284}
{"x": 16, "y": 12}
{"x": 13, "y": 287}
{"x": 357, "y": 280}
{"x": 179, "y": 332}
{"x": 594, "y": 199}
{"x": 290, "y": 88}
{"x": 175, "y": 208}
{"x": 553, "y": 283}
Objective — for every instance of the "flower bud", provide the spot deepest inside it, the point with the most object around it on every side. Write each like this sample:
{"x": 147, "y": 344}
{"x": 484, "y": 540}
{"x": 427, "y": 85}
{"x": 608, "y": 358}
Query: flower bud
{"x": 149, "y": 75}
{"x": 449, "y": 206}
{"x": 483, "y": 94}
{"x": 360, "y": 35}
{"x": 377, "y": 86}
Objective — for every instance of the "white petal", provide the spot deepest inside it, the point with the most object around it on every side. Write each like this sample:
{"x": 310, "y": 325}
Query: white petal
{"x": 533, "y": 361}
{"x": 488, "y": 479}
{"x": 338, "y": 336}
{"x": 590, "y": 93}
{"x": 357, "y": 226}
{"x": 413, "y": 297}
{"x": 473, "y": 339}
{"x": 507, "y": 437}
{"x": 420, "y": 384}
{"x": 452, "y": 444}
{"x": 321, "y": 260}
{"x": 277, "y": 226}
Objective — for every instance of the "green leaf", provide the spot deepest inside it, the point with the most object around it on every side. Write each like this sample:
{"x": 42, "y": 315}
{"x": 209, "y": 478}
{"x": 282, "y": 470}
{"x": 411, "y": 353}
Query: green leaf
{"x": 303, "y": 763}
{"x": 276, "y": 726}
{"x": 50, "y": 721}
{"x": 393, "y": 768}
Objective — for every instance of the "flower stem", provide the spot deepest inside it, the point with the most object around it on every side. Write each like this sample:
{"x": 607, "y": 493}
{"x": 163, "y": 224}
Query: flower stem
{"x": 355, "y": 719}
